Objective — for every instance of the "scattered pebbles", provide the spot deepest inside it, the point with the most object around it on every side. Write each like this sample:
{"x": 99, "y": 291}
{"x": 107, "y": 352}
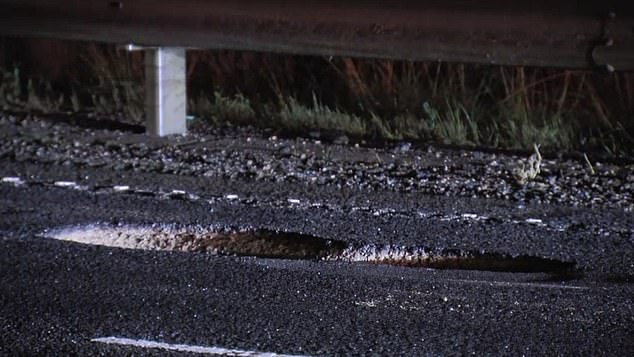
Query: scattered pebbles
{"x": 265, "y": 157}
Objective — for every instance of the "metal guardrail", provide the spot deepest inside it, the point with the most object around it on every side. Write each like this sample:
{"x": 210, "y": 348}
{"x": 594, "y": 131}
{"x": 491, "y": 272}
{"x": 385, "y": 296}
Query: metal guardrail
{"x": 595, "y": 34}
{"x": 560, "y": 33}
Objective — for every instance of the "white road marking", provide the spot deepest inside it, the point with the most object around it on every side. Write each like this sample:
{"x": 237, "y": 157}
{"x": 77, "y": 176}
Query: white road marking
{"x": 14, "y": 180}
{"x": 186, "y": 348}
{"x": 64, "y": 184}
{"x": 521, "y": 284}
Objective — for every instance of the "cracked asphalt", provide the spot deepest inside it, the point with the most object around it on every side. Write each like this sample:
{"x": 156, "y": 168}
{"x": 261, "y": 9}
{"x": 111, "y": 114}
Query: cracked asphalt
{"x": 56, "y": 296}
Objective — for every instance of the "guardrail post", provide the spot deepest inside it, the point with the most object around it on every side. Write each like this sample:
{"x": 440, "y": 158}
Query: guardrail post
{"x": 165, "y": 87}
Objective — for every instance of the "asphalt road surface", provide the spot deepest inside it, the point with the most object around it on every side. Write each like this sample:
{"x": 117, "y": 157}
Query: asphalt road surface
{"x": 63, "y": 298}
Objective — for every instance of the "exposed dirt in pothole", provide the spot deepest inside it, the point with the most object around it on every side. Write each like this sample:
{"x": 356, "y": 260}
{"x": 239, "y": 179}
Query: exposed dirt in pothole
{"x": 287, "y": 245}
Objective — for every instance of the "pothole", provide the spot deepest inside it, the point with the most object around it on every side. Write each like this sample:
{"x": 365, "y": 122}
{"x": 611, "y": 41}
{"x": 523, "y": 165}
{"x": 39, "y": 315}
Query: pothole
{"x": 456, "y": 259}
{"x": 285, "y": 245}
{"x": 258, "y": 243}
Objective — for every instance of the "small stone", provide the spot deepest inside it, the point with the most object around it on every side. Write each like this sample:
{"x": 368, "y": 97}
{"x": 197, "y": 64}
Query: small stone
{"x": 341, "y": 140}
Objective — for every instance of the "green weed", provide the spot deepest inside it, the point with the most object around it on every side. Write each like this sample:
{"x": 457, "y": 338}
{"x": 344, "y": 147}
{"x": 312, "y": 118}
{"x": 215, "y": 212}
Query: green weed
{"x": 222, "y": 109}
{"x": 296, "y": 116}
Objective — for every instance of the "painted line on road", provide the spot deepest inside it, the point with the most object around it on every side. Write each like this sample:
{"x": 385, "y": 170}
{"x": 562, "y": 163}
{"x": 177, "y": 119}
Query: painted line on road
{"x": 14, "y": 180}
{"x": 186, "y": 348}
{"x": 520, "y": 284}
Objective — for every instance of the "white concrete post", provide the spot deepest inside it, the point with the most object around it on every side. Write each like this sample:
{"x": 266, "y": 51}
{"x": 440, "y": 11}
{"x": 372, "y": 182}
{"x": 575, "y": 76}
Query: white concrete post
{"x": 165, "y": 91}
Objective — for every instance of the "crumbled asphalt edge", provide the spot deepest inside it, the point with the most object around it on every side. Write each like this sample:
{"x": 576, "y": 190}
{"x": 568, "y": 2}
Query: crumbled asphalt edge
{"x": 553, "y": 225}
{"x": 402, "y": 169}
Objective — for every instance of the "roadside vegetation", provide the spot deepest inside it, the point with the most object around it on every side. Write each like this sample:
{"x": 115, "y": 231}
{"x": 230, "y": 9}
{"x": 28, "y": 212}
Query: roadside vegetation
{"x": 457, "y": 104}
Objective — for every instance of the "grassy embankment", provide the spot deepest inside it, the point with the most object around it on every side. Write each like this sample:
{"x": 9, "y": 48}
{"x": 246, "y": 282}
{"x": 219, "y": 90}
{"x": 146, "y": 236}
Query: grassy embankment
{"x": 473, "y": 105}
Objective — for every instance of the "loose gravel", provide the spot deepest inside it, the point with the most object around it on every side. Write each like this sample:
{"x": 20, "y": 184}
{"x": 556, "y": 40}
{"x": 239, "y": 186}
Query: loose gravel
{"x": 249, "y": 154}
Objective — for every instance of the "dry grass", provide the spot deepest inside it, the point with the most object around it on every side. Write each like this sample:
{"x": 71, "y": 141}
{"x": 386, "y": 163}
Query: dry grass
{"x": 509, "y": 107}
{"x": 34, "y": 95}
{"x": 113, "y": 80}
{"x": 10, "y": 89}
